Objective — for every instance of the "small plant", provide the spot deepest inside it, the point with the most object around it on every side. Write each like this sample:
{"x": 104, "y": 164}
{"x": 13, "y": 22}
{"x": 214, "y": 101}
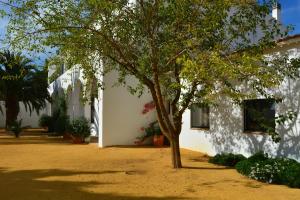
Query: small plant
{"x": 271, "y": 170}
{"x": 59, "y": 121}
{"x": 16, "y": 127}
{"x": 227, "y": 159}
{"x": 259, "y": 156}
{"x": 45, "y": 121}
{"x": 244, "y": 167}
{"x": 152, "y": 130}
{"x": 80, "y": 127}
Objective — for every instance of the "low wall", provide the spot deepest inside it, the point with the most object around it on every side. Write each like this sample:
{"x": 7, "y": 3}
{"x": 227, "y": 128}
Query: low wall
{"x": 28, "y": 119}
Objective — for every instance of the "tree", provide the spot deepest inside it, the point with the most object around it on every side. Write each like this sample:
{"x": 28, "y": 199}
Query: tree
{"x": 21, "y": 81}
{"x": 182, "y": 51}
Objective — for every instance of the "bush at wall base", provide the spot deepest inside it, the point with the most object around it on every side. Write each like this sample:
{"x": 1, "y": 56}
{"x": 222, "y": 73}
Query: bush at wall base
{"x": 54, "y": 124}
{"x": 270, "y": 170}
{"x": 80, "y": 130}
{"x": 227, "y": 159}
{"x": 16, "y": 128}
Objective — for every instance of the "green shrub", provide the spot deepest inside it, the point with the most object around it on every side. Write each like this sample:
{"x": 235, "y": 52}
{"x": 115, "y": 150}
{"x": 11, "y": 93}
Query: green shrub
{"x": 291, "y": 174}
{"x": 259, "y": 156}
{"x": 244, "y": 167}
{"x": 227, "y": 159}
{"x": 59, "y": 120}
{"x": 80, "y": 127}
{"x": 267, "y": 170}
{"x": 61, "y": 123}
{"x": 271, "y": 170}
{"x": 45, "y": 121}
{"x": 16, "y": 127}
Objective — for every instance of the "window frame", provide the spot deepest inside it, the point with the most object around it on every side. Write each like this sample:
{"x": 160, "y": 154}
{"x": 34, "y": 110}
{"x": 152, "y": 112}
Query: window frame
{"x": 199, "y": 127}
{"x": 245, "y": 116}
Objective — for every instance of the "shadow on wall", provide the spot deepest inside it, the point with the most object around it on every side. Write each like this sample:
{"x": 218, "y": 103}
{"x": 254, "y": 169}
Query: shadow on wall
{"x": 72, "y": 92}
{"x": 57, "y": 92}
{"x": 56, "y": 184}
{"x": 290, "y": 134}
{"x": 74, "y": 100}
{"x": 226, "y": 134}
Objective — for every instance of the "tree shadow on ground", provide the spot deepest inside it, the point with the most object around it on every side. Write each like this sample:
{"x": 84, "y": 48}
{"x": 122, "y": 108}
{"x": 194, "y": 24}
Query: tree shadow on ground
{"x": 35, "y": 185}
{"x": 207, "y": 168}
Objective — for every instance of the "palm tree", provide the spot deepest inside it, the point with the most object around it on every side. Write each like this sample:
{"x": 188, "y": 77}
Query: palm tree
{"x": 21, "y": 81}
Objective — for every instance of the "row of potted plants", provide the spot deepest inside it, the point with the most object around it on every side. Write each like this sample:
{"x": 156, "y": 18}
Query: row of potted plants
{"x": 77, "y": 130}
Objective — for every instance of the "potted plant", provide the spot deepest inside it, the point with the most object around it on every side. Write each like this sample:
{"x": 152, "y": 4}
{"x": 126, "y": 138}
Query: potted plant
{"x": 80, "y": 130}
{"x": 147, "y": 138}
{"x": 152, "y": 132}
{"x": 158, "y": 138}
{"x": 45, "y": 122}
{"x": 16, "y": 127}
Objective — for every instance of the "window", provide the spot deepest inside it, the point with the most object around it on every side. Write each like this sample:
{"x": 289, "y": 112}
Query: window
{"x": 259, "y": 115}
{"x": 199, "y": 116}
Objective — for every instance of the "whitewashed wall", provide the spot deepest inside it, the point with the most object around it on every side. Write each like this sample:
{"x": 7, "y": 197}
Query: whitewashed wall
{"x": 28, "y": 120}
{"x": 71, "y": 84}
{"x": 226, "y": 126}
{"x": 122, "y": 113}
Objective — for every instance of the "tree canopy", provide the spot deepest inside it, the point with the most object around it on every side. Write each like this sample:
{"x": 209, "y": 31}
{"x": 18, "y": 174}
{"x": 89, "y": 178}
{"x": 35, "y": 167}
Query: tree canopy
{"x": 21, "y": 81}
{"x": 182, "y": 51}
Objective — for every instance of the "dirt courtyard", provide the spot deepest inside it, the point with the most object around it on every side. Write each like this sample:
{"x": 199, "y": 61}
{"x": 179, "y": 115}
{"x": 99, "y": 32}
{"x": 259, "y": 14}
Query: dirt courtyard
{"x": 39, "y": 168}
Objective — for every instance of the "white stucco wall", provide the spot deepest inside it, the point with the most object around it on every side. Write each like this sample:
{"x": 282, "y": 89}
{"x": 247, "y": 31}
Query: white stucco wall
{"x": 28, "y": 119}
{"x": 226, "y": 126}
{"x": 122, "y": 113}
{"x": 71, "y": 83}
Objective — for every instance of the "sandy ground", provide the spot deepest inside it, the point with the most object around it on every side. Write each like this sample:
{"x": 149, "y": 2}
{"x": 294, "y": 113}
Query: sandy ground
{"x": 41, "y": 168}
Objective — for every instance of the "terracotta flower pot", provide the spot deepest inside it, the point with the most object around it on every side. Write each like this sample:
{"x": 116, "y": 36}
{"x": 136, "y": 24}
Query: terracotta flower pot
{"x": 158, "y": 140}
{"x": 67, "y": 136}
{"x": 77, "y": 140}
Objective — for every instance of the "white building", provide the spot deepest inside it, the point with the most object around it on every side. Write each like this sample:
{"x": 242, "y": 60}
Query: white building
{"x": 229, "y": 128}
{"x": 116, "y": 115}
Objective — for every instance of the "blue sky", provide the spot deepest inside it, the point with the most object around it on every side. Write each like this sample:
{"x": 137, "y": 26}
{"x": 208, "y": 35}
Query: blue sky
{"x": 291, "y": 13}
{"x": 290, "y": 16}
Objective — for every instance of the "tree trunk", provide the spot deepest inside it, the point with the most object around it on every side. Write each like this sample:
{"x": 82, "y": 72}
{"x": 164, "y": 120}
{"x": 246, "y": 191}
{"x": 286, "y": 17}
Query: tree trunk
{"x": 12, "y": 109}
{"x": 175, "y": 149}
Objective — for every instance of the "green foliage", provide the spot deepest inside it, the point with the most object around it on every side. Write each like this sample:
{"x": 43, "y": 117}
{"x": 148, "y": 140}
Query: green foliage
{"x": 244, "y": 167}
{"x": 21, "y": 81}
{"x": 60, "y": 118}
{"x": 45, "y": 121}
{"x": 16, "y": 127}
{"x": 152, "y": 129}
{"x": 271, "y": 170}
{"x": 225, "y": 159}
{"x": 184, "y": 52}
{"x": 132, "y": 38}
{"x": 80, "y": 127}
{"x": 61, "y": 124}
{"x": 276, "y": 170}
{"x": 259, "y": 156}
{"x": 290, "y": 175}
